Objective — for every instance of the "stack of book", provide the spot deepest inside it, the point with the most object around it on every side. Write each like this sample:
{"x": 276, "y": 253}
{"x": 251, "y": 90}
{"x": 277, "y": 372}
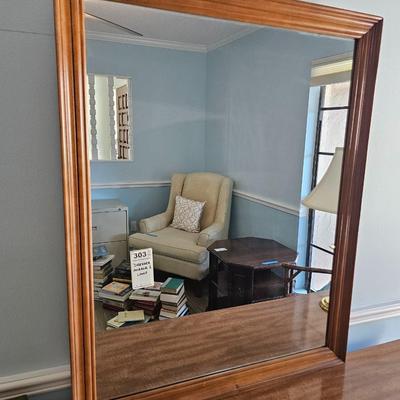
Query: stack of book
{"x": 147, "y": 299}
{"x": 102, "y": 272}
{"x": 173, "y": 299}
{"x": 115, "y": 296}
{"x": 122, "y": 273}
{"x": 127, "y": 318}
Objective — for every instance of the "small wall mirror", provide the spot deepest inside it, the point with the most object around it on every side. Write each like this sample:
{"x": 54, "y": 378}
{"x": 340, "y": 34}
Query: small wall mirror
{"x": 109, "y": 117}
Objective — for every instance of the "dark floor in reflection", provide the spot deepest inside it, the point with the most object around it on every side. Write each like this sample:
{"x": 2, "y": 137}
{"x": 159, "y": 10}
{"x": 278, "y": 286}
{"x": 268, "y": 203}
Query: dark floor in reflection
{"x": 196, "y": 304}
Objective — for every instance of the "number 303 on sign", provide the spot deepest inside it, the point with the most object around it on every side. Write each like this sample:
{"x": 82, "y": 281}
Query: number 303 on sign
{"x": 139, "y": 254}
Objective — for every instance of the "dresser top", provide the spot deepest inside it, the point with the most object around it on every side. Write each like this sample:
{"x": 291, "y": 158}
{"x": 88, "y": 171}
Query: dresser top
{"x": 369, "y": 374}
{"x": 108, "y": 205}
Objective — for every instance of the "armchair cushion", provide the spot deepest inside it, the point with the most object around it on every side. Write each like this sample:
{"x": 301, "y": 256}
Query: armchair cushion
{"x": 172, "y": 243}
{"x": 204, "y": 186}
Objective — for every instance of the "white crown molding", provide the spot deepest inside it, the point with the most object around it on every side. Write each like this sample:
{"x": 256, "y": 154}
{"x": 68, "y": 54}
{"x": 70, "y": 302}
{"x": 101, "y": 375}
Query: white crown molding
{"x": 239, "y": 193}
{"x": 375, "y": 313}
{"x": 138, "y": 40}
{"x": 232, "y": 38}
{"x": 33, "y": 382}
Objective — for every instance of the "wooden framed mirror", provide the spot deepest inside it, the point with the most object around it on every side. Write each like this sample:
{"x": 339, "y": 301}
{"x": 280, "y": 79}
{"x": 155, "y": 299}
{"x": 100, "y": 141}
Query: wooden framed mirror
{"x": 220, "y": 379}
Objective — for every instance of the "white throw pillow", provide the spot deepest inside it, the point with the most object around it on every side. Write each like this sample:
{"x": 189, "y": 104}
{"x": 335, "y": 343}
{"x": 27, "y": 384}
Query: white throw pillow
{"x": 187, "y": 214}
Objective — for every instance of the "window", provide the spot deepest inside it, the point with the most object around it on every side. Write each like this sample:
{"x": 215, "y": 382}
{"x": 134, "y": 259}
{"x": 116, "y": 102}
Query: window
{"x": 109, "y": 120}
{"x": 123, "y": 122}
{"x": 330, "y": 133}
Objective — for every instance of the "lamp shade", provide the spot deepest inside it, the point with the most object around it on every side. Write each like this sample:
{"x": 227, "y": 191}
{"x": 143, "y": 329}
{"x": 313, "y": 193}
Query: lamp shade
{"x": 325, "y": 196}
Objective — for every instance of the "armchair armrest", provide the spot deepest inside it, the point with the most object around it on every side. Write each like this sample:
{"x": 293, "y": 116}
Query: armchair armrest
{"x": 154, "y": 223}
{"x": 210, "y": 234}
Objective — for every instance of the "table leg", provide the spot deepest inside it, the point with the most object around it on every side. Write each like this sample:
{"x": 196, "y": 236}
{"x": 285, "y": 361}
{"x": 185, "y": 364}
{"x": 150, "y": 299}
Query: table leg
{"x": 213, "y": 283}
{"x": 250, "y": 287}
{"x": 242, "y": 286}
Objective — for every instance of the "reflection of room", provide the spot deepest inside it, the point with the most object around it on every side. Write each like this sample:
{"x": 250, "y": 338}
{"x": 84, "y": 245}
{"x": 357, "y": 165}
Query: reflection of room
{"x": 239, "y": 106}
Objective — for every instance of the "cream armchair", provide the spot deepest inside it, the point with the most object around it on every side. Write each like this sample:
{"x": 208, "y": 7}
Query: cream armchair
{"x": 180, "y": 252}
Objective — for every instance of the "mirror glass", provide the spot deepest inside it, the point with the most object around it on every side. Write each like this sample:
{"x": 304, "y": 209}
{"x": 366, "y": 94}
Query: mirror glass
{"x": 213, "y": 247}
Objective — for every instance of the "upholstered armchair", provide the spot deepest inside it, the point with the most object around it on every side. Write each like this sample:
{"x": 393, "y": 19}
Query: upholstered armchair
{"x": 179, "y": 252}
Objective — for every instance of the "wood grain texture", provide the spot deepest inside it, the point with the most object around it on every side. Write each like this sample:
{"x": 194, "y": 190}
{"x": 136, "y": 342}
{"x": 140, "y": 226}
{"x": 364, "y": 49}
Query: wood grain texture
{"x": 368, "y": 374}
{"x": 140, "y": 358}
{"x": 85, "y": 214}
{"x": 251, "y": 252}
{"x": 352, "y": 182}
{"x": 71, "y": 68}
{"x": 65, "y": 72}
{"x": 287, "y": 14}
{"x": 71, "y": 65}
{"x": 218, "y": 385}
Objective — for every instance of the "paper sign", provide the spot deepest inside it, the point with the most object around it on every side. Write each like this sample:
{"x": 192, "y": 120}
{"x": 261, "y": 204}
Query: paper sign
{"x": 142, "y": 268}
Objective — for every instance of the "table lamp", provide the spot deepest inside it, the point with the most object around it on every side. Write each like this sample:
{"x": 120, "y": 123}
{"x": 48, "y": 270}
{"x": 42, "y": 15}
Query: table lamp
{"x": 325, "y": 195}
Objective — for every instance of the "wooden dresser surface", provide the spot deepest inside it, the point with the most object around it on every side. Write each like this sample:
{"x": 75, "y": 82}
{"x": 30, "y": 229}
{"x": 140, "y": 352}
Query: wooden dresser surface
{"x": 370, "y": 374}
{"x": 127, "y": 361}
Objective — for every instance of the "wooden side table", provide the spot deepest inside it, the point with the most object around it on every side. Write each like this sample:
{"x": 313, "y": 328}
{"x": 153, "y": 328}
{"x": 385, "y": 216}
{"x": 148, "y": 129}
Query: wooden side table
{"x": 242, "y": 274}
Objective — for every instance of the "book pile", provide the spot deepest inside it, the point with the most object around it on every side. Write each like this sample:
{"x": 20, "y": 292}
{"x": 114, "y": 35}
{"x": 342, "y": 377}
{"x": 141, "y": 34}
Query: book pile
{"x": 122, "y": 273}
{"x": 115, "y": 296}
{"x": 147, "y": 299}
{"x": 102, "y": 271}
{"x": 127, "y": 318}
{"x": 173, "y": 299}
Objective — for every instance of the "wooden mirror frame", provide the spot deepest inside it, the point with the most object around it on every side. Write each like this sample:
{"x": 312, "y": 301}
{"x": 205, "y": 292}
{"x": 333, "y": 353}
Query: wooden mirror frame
{"x": 71, "y": 68}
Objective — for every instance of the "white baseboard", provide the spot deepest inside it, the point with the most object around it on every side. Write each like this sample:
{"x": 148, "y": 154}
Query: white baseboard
{"x": 375, "y": 313}
{"x": 34, "y": 382}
